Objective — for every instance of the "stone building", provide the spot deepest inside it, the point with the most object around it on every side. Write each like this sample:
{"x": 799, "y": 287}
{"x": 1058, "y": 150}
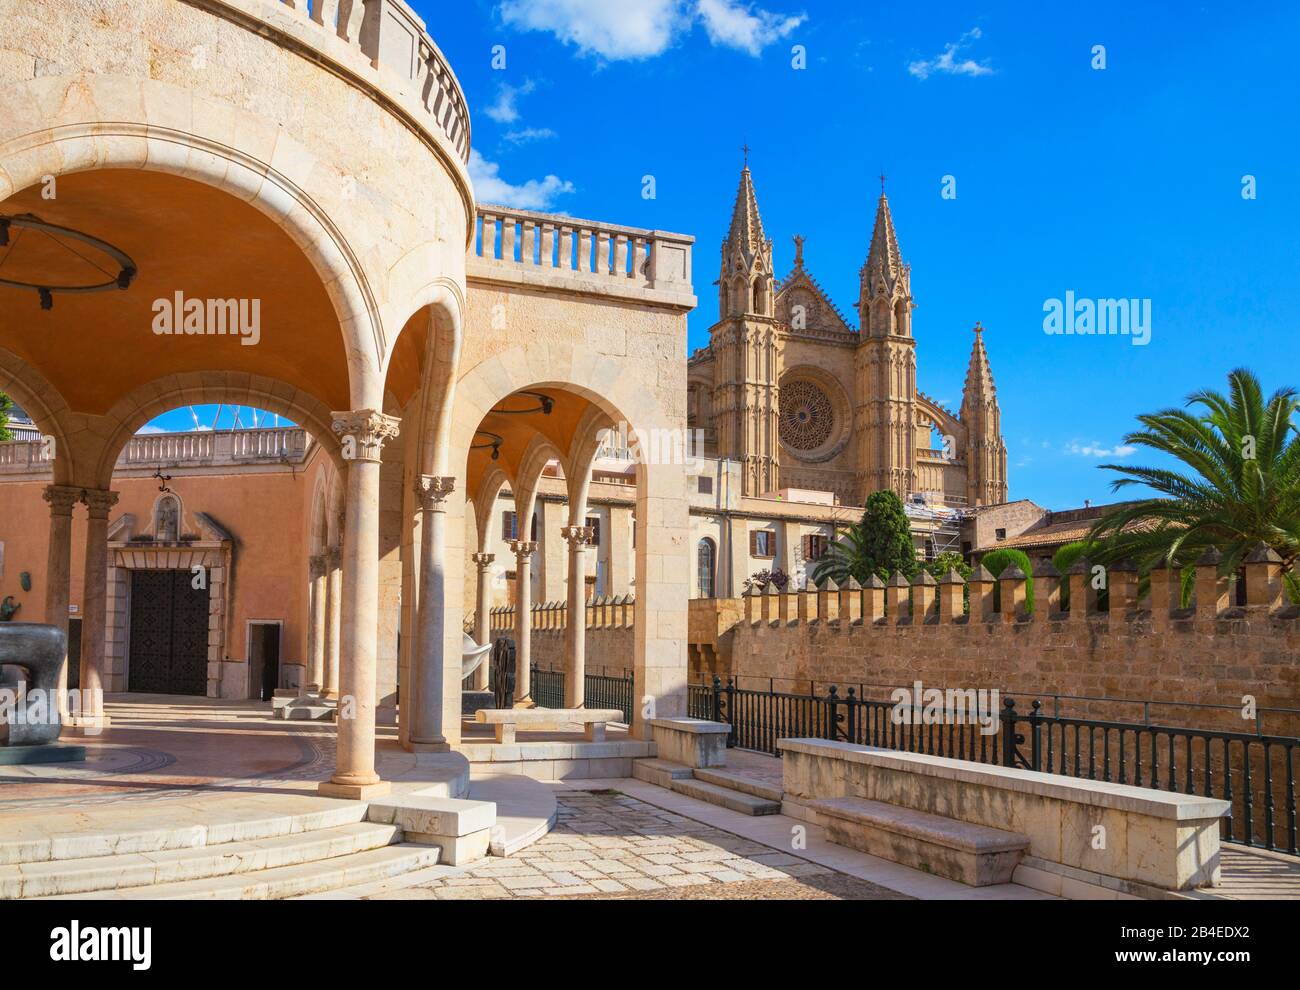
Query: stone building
{"x": 802, "y": 400}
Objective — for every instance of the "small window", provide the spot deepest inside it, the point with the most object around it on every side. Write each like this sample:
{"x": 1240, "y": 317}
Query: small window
{"x": 814, "y": 546}
{"x": 762, "y": 543}
{"x": 509, "y": 526}
{"x": 594, "y": 523}
{"x": 706, "y": 485}
{"x": 999, "y": 534}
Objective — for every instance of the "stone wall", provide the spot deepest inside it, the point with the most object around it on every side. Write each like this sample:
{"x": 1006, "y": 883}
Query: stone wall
{"x": 610, "y": 641}
{"x": 1206, "y": 655}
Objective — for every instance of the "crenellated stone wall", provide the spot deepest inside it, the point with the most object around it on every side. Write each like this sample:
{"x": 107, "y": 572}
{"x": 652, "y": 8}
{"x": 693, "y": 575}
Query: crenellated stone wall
{"x": 610, "y": 643}
{"x": 1209, "y": 654}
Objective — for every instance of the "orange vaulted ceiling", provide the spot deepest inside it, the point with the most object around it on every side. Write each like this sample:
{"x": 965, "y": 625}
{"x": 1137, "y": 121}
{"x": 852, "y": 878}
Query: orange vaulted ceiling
{"x": 182, "y": 235}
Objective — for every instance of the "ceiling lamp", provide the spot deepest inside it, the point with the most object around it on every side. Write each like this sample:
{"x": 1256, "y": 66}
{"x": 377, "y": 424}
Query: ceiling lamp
{"x": 14, "y": 230}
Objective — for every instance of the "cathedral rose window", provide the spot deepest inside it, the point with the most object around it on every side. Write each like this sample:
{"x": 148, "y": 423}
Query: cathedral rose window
{"x": 806, "y": 415}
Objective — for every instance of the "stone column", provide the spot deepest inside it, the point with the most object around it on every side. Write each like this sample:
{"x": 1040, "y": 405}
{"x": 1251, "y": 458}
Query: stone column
{"x": 523, "y": 551}
{"x": 95, "y": 600}
{"x": 58, "y": 569}
{"x": 333, "y": 622}
{"x": 482, "y": 627}
{"x": 428, "y": 661}
{"x": 316, "y": 617}
{"x": 362, "y": 434}
{"x": 575, "y": 635}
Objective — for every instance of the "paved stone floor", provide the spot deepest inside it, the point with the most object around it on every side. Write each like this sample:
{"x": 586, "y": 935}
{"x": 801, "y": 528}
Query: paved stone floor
{"x": 607, "y": 844}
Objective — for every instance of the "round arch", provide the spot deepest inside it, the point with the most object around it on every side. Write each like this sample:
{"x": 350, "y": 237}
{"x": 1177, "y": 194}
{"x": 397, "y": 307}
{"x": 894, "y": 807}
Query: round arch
{"x": 47, "y": 408}
{"x": 152, "y": 399}
{"x": 121, "y": 141}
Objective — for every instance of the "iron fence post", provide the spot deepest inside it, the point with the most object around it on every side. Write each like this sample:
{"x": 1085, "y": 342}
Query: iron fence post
{"x": 850, "y": 722}
{"x": 716, "y": 700}
{"x": 1035, "y": 744}
{"x": 731, "y": 711}
{"x": 832, "y": 711}
{"x": 1009, "y": 732}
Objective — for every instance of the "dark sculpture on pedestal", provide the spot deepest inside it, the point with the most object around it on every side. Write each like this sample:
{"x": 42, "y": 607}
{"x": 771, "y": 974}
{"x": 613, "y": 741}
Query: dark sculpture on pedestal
{"x": 30, "y": 717}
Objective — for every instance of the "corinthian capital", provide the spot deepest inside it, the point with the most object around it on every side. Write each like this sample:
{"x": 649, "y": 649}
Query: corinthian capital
{"x": 483, "y": 560}
{"x": 579, "y": 537}
{"x": 523, "y": 549}
{"x": 362, "y": 433}
{"x": 61, "y": 498}
{"x": 98, "y": 502}
{"x": 432, "y": 489}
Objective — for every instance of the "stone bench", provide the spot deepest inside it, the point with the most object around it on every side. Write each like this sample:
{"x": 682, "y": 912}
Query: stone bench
{"x": 507, "y": 720}
{"x": 974, "y": 854}
{"x": 1084, "y": 835}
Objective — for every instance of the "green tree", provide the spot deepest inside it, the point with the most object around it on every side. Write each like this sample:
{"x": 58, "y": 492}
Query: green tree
{"x": 6, "y": 404}
{"x": 997, "y": 561}
{"x": 880, "y": 544}
{"x": 1236, "y": 483}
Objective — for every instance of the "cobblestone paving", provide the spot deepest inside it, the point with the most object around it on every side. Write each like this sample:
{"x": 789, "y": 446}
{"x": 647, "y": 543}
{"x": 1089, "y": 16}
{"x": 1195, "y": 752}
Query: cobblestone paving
{"x": 608, "y": 845}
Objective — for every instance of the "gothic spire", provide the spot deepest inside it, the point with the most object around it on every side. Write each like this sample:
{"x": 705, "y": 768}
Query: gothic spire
{"x": 979, "y": 385}
{"x": 884, "y": 254}
{"x": 746, "y": 231}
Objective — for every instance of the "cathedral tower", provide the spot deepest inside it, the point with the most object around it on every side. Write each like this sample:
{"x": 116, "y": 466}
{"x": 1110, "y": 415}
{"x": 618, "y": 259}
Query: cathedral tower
{"x": 885, "y": 366}
{"x": 747, "y": 345}
{"x": 985, "y": 453}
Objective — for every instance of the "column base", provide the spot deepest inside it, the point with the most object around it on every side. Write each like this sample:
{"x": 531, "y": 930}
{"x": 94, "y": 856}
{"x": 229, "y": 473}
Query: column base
{"x": 525, "y": 702}
{"x": 354, "y": 792}
{"x": 428, "y": 747}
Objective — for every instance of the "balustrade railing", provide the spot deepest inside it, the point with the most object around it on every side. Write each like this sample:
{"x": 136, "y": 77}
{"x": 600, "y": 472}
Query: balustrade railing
{"x": 585, "y": 249}
{"x": 599, "y": 690}
{"x": 393, "y": 38}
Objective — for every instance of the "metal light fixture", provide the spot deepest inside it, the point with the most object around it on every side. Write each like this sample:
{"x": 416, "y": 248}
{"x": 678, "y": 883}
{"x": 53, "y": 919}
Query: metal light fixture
{"x": 544, "y": 404}
{"x": 24, "y": 222}
{"x": 495, "y": 440}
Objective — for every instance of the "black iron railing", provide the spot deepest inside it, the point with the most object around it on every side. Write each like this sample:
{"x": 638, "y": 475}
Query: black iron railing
{"x": 600, "y": 690}
{"x": 1254, "y": 773}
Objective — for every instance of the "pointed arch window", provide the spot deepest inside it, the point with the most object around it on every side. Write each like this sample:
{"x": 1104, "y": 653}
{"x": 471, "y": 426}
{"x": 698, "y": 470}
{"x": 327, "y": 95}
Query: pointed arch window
{"x": 704, "y": 567}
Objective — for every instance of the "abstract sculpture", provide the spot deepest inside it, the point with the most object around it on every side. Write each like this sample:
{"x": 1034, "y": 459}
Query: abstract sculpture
{"x": 503, "y": 673}
{"x": 31, "y": 717}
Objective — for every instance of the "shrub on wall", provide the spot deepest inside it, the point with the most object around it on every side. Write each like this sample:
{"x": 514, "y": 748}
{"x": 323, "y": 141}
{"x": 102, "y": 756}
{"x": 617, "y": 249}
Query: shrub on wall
{"x": 998, "y": 561}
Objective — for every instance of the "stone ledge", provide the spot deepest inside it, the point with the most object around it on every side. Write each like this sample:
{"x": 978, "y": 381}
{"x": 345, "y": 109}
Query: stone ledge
{"x": 699, "y": 725}
{"x": 1094, "y": 793}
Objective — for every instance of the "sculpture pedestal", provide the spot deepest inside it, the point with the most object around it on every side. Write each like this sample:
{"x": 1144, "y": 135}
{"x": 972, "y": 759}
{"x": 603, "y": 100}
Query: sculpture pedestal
{"x": 11, "y": 756}
{"x": 472, "y": 701}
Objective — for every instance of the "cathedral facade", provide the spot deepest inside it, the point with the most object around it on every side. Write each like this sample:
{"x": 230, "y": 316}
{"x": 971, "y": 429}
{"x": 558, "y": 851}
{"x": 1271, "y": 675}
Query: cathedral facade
{"x": 802, "y": 400}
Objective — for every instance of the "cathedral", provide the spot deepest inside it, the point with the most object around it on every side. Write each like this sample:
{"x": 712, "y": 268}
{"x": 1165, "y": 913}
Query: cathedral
{"x": 802, "y": 400}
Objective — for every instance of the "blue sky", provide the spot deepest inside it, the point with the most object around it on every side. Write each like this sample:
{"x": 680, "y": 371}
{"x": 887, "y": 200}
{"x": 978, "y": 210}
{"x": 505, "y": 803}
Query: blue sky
{"x": 1117, "y": 182}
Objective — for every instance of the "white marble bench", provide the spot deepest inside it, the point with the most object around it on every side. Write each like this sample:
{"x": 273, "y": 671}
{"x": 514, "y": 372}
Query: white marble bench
{"x": 507, "y": 720}
{"x": 974, "y": 854}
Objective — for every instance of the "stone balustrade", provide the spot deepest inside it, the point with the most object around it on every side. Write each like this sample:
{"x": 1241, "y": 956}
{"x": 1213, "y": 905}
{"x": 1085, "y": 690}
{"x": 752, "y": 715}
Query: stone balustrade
{"x": 607, "y": 612}
{"x": 582, "y": 254}
{"x": 391, "y": 37}
{"x": 199, "y": 448}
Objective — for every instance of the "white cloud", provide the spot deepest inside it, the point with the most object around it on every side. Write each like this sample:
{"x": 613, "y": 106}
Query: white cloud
{"x": 639, "y": 29}
{"x": 636, "y": 29}
{"x": 527, "y": 134}
{"x": 535, "y": 194}
{"x": 149, "y": 428}
{"x": 504, "y": 111}
{"x": 949, "y": 61}
{"x": 1095, "y": 449}
{"x": 738, "y": 25}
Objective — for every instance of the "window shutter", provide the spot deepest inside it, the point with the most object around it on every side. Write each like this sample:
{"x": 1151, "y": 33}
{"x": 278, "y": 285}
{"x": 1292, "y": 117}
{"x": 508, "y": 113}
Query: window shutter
{"x": 753, "y": 543}
{"x": 807, "y": 547}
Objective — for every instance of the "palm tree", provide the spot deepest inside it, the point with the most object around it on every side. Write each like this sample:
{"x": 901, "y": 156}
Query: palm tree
{"x": 1239, "y": 486}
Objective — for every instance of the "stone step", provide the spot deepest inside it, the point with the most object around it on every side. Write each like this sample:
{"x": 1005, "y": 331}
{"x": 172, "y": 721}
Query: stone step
{"x": 153, "y": 827}
{"x": 724, "y": 797}
{"x": 526, "y": 810}
{"x": 659, "y": 772}
{"x": 973, "y": 854}
{"x": 739, "y": 782}
{"x": 286, "y": 881}
{"x": 117, "y": 873}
